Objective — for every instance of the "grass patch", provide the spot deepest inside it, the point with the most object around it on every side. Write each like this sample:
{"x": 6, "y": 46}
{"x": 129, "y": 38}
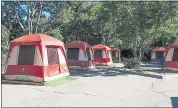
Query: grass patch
{"x": 59, "y": 81}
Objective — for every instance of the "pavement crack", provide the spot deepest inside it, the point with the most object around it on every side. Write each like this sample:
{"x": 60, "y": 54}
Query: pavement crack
{"x": 89, "y": 94}
{"x": 92, "y": 95}
{"x": 81, "y": 93}
{"x": 133, "y": 90}
{"x": 151, "y": 86}
{"x": 41, "y": 90}
{"x": 103, "y": 96}
{"x": 161, "y": 93}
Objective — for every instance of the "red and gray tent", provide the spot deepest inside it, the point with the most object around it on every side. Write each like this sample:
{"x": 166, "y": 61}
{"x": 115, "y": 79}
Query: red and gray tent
{"x": 159, "y": 52}
{"x": 115, "y": 54}
{"x": 102, "y": 54}
{"x": 79, "y": 54}
{"x": 171, "y": 61}
{"x": 37, "y": 58}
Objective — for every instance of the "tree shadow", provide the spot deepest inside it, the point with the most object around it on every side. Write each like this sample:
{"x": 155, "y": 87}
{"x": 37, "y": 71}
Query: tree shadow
{"x": 100, "y": 72}
{"x": 156, "y": 68}
{"x": 174, "y": 101}
{"x": 160, "y": 70}
{"x": 139, "y": 73}
{"x": 113, "y": 72}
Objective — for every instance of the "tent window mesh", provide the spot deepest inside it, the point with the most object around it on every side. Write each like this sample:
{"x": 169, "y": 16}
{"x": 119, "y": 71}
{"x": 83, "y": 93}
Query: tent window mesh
{"x": 26, "y": 55}
{"x": 53, "y": 57}
{"x": 72, "y": 53}
{"x": 175, "y": 56}
{"x": 114, "y": 53}
{"x": 159, "y": 54}
{"x": 98, "y": 53}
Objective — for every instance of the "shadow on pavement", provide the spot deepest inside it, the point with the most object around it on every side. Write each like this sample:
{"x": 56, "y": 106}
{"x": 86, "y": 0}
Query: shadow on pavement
{"x": 140, "y": 73}
{"x": 113, "y": 71}
{"x": 159, "y": 70}
{"x": 100, "y": 72}
{"x": 174, "y": 101}
{"x": 156, "y": 68}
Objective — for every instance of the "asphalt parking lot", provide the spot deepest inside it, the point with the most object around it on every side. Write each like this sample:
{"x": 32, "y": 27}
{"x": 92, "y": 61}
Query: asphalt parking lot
{"x": 96, "y": 89}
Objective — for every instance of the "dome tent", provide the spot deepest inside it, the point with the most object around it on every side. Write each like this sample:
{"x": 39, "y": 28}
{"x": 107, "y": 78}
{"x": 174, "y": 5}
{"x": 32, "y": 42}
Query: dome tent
{"x": 171, "y": 61}
{"x": 115, "y": 54}
{"x": 157, "y": 53}
{"x": 102, "y": 54}
{"x": 36, "y": 58}
{"x": 79, "y": 55}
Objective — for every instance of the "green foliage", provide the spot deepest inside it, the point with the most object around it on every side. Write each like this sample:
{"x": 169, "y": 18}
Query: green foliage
{"x": 4, "y": 45}
{"x": 139, "y": 26}
{"x": 131, "y": 63}
{"x": 56, "y": 33}
{"x": 67, "y": 15}
{"x": 167, "y": 32}
{"x": 4, "y": 38}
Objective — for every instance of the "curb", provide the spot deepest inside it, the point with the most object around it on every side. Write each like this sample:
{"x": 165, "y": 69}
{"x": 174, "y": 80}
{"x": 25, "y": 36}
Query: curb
{"x": 169, "y": 76}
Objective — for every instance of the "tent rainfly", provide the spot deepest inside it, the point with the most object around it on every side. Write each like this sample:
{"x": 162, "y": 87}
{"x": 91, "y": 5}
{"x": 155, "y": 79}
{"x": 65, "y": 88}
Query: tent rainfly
{"x": 79, "y": 55}
{"x": 36, "y": 58}
{"x": 102, "y": 54}
{"x": 171, "y": 61}
{"x": 115, "y": 54}
{"x": 158, "y": 52}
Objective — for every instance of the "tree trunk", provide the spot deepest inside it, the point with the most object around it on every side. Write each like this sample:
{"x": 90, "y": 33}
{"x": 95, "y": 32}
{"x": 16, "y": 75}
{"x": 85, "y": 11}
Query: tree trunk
{"x": 39, "y": 15}
{"x": 140, "y": 50}
{"x": 140, "y": 54}
{"x": 135, "y": 53}
{"x": 106, "y": 42}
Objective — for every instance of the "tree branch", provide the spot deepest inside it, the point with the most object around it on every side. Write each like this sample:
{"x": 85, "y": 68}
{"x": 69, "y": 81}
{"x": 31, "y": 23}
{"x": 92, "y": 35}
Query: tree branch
{"x": 37, "y": 22}
{"x": 75, "y": 10}
{"x": 28, "y": 18}
{"x": 19, "y": 4}
{"x": 34, "y": 6}
{"x": 77, "y": 7}
{"x": 18, "y": 19}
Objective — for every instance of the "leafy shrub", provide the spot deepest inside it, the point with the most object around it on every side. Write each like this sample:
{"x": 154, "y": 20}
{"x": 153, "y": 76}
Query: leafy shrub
{"x": 131, "y": 63}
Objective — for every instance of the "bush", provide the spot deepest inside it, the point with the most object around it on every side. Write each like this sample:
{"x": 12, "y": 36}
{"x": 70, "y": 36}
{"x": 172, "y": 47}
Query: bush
{"x": 131, "y": 63}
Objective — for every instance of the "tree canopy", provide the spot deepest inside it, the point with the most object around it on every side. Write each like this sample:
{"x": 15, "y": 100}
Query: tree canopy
{"x": 138, "y": 26}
